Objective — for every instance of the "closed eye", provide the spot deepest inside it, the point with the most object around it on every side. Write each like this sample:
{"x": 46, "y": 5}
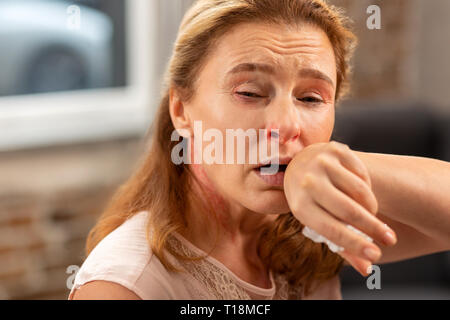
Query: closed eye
{"x": 311, "y": 100}
{"x": 249, "y": 94}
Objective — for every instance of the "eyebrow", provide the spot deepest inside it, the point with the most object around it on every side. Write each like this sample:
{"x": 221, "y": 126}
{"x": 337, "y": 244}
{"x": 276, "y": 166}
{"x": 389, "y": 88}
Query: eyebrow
{"x": 265, "y": 68}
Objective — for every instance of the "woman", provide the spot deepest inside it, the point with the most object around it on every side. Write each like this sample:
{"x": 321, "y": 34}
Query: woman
{"x": 227, "y": 231}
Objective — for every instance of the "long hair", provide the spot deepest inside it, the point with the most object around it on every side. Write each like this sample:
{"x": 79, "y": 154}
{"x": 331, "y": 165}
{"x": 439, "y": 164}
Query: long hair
{"x": 161, "y": 187}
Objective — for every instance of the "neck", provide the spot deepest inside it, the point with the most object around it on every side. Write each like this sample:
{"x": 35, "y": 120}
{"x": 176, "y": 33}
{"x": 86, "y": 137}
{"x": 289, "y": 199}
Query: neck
{"x": 219, "y": 227}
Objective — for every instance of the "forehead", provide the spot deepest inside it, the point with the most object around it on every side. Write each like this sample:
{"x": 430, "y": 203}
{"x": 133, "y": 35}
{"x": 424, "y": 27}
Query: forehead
{"x": 286, "y": 48}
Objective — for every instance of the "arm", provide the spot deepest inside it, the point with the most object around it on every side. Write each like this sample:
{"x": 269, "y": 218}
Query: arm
{"x": 104, "y": 290}
{"x": 329, "y": 186}
{"x": 113, "y": 288}
{"x": 413, "y": 197}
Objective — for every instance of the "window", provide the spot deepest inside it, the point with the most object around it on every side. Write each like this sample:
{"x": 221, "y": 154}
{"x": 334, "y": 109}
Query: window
{"x": 75, "y": 71}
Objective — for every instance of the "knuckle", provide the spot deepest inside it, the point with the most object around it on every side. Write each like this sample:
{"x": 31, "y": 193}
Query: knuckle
{"x": 339, "y": 237}
{"x": 363, "y": 171}
{"x": 361, "y": 190}
{"x": 343, "y": 146}
{"x": 365, "y": 194}
{"x": 357, "y": 242}
{"x": 308, "y": 180}
{"x": 360, "y": 246}
{"x": 323, "y": 228}
{"x": 365, "y": 174}
{"x": 381, "y": 230}
{"x": 361, "y": 186}
{"x": 338, "y": 149}
{"x": 331, "y": 232}
{"x": 373, "y": 205}
{"x": 325, "y": 161}
{"x": 372, "y": 230}
{"x": 334, "y": 146}
{"x": 353, "y": 214}
{"x": 334, "y": 143}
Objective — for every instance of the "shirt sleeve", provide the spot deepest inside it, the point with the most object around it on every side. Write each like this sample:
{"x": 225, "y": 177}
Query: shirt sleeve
{"x": 154, "y": 289}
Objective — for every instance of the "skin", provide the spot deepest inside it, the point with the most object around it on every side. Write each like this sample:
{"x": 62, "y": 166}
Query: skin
{"x": 327, "y": 178}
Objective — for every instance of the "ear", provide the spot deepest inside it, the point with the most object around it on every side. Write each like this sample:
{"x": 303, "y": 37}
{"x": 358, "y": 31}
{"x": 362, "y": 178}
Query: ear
{"x": 179, "y": 115}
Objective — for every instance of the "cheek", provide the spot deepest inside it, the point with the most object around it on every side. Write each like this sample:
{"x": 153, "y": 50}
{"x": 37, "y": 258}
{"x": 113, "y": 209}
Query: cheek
{"x": 222, "y": 112}
{"x": 319, "y": 127}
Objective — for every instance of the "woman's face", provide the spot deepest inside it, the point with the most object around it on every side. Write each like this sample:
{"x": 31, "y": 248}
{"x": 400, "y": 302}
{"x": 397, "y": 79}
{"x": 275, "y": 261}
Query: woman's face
{"x": 263, "y": 76}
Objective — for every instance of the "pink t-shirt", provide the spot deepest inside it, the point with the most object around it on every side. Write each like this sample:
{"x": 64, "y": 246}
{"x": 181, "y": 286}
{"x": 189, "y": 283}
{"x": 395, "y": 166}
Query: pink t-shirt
{"x": 124, "y": 257}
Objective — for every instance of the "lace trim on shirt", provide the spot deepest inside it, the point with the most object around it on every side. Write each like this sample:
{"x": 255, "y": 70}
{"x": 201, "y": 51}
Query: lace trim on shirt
{"x": 220, "y": 284}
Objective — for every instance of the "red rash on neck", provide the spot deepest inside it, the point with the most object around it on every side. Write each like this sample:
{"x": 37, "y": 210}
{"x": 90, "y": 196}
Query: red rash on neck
{"x": 210, "y": 191}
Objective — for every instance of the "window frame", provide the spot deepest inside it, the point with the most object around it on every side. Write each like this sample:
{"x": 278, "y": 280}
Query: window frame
{"x": 38, "y": 120}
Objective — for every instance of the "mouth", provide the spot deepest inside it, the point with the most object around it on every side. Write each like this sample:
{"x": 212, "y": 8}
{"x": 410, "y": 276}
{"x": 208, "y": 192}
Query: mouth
{"x": 269, "y": 175}
{"x": 282, "y": 164}
{"x": 281, "y": 167}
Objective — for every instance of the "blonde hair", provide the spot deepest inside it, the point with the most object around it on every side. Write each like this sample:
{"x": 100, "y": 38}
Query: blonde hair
{"x": 161, "y": 187}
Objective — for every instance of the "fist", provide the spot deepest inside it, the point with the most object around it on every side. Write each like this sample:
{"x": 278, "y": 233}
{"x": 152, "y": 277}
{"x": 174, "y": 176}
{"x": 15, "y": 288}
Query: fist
{"x": 327, "y": 188}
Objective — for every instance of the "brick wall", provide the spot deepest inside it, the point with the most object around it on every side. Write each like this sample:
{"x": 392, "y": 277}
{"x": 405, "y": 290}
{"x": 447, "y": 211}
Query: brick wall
{"x": 49, "y": 200}
{"x": 383, "y": 57}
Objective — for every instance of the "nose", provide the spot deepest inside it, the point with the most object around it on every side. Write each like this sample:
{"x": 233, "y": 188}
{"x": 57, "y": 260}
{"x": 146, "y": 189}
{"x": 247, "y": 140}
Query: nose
{"x": 284, "y": 116}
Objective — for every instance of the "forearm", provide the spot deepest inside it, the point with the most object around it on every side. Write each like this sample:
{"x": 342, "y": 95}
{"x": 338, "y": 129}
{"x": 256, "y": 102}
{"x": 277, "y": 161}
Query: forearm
{"x": 412, "y": 190}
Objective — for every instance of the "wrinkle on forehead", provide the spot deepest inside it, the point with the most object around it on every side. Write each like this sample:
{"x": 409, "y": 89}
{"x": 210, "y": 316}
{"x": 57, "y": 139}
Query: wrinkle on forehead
{"x": 307, "y": 43}
{"x": 306, "y": 36}
{"x": 308, "y": 46}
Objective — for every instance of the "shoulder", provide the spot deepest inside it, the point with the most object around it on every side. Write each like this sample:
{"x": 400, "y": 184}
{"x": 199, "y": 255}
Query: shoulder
{"x": 115, "y": 267}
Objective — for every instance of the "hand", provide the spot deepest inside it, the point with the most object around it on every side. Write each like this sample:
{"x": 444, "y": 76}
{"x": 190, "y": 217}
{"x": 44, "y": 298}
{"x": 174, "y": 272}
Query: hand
{"x": 327, "y": 188}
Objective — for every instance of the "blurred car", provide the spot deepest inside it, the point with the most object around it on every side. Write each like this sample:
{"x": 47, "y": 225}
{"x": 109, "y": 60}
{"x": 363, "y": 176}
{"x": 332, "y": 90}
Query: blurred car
{"x": 40, "y": 52}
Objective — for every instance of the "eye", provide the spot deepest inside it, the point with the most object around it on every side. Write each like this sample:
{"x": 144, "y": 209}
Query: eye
{"x": 249, "y": 94}
{"x": 311, "y": 99}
